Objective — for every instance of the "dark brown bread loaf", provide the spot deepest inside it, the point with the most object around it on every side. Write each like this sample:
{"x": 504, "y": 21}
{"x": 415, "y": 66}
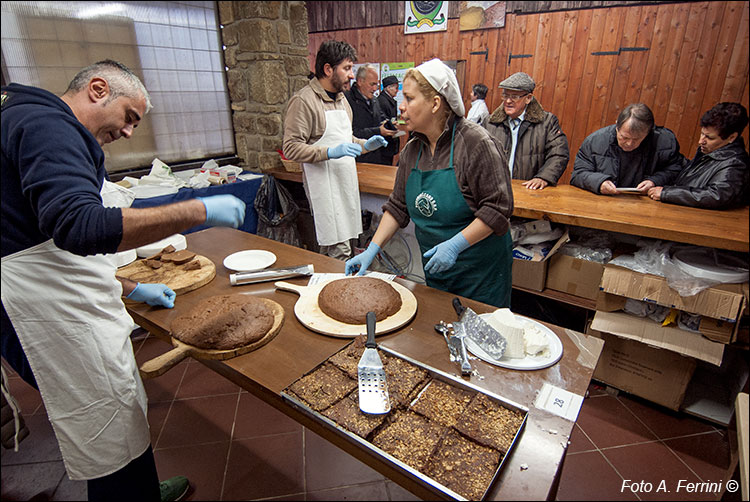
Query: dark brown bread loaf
{"x": 224, "y": 322}
{"x": 349, "y": 300}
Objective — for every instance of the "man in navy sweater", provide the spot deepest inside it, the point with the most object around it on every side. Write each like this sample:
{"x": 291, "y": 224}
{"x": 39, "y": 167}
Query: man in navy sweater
{"x": 65, "y": 329}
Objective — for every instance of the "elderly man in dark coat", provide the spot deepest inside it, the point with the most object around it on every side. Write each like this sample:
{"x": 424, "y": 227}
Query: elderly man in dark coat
{"x": 537, "y": 148}
{"x": 717, "y": 178}
{"x": 367, "y": 118}
{"x": 389, "y": 109}
{"x": 633, "y": 153}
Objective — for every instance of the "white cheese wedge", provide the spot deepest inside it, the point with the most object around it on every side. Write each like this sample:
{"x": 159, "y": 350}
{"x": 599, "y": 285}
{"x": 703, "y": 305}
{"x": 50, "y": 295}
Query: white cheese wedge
{"x": 536, "y": 343}
{"x": 506, "y": 324}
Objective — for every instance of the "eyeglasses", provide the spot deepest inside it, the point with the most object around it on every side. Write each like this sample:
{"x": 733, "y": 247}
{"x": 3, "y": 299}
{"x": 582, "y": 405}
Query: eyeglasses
{"x": 513, "y": 97}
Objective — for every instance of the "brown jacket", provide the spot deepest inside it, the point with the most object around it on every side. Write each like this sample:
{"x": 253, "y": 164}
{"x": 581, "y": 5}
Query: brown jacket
{"x": 542, "y": 150}
{"x": 481, "y": 172}
{"x": 305, "y": 122}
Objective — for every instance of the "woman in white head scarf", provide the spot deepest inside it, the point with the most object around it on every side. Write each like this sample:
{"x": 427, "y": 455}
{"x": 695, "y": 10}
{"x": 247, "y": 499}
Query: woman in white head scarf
{"x": 453, "y": 182}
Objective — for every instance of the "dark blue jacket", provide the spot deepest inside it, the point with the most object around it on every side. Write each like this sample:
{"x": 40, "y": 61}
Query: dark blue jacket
{"x": 366, "y": 119}
{"x": 598, "y": 159}
{"x": 52, "y": 172}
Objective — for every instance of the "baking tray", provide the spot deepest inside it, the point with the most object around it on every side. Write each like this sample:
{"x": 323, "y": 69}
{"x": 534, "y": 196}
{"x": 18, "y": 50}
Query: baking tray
{"x": 405, "y": 469}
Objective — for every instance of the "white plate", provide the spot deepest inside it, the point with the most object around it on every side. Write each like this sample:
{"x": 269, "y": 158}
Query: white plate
{"x": 250, "y": 260}
{"x": 125, "y": 257}
{"x": 177, "y": 240}
{"x": 712, "y": 264}
{"x": 528, "y": 362}
{"x": 148, "y": 191}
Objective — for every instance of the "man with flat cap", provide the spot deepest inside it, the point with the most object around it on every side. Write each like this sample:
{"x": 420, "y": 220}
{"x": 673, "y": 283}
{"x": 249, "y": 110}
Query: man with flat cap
{"x": 537, "y": 148}
{"x": 389, "y": 110}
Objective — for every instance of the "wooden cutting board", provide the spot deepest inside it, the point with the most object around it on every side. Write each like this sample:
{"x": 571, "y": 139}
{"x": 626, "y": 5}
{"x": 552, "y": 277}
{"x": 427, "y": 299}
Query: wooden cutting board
{"x": 308, "y": 312}
{"x": 163, "y": 363}
{"x": 175, "y": 276}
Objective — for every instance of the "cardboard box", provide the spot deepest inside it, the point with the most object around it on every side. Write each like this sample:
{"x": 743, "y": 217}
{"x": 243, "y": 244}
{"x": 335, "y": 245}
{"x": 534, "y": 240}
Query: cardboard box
{"x": 532, "y": 274}
{"x": 721, "y": 306}
{"x": 222, "y": 172}
{"x": 652, "y": 333}
{"x": 574, "y": 276}
{"x": 659, "y": 375}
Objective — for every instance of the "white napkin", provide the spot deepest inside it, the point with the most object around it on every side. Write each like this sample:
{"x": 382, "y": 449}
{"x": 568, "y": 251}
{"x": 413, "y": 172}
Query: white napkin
{"x": 161, "y": 174}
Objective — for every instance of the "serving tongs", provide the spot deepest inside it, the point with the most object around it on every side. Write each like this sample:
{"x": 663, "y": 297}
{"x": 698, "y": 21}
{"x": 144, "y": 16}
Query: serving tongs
{"x": 373, "y": 388}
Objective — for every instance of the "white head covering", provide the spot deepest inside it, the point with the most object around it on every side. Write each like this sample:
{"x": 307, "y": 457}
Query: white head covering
{"x": 441, "y": 77}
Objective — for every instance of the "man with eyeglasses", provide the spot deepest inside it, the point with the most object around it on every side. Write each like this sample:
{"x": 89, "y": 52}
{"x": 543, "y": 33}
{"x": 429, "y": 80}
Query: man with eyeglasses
{"x": 537, "y": 148}
{"x": 633, "y": 153}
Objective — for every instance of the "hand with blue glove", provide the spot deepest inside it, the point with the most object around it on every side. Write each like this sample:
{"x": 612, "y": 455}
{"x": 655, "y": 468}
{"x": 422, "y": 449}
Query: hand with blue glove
{"x": 224, "y": 210}
{"x": 375, "y": 142}
{"x": 344, "y": 149}
{"x": 362, "y": 260}
{"x": 444, "y": 254}
{"x": 153, "y": 294}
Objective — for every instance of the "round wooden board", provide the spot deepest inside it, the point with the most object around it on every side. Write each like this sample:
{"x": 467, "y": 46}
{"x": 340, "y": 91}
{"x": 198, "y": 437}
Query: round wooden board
{"x": 161, "y": 364}
{"x": 175, "y": 276}
{"x": 308, "y": 312}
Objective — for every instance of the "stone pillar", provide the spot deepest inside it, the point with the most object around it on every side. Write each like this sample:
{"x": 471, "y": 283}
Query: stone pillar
{"x": 266, "y": 56}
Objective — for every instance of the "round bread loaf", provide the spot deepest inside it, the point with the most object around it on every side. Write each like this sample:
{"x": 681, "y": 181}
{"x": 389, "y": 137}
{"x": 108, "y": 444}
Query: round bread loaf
{"x": 224, "y": 322}
{"x": 349, "y": 300}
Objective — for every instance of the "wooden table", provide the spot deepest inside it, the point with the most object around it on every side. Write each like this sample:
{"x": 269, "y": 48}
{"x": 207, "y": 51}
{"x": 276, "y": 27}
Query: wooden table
{"x": 630, "y": 214}
{"x": 296, "y": 350}
{"x": 636, "y": 215}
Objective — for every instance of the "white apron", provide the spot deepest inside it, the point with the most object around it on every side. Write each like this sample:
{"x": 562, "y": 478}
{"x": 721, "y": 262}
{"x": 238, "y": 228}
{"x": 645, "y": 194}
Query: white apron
{"x": 75, "y": 332}
{"x": 332, "y": 186}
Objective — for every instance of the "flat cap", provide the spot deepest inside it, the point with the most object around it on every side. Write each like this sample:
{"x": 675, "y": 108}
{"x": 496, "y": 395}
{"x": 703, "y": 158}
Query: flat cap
{"x": 390, "y": 80}
{"x": 518, "y": 82}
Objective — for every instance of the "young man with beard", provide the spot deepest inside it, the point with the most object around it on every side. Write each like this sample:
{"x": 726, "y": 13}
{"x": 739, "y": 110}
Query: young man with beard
{"x": 318, "y": 134}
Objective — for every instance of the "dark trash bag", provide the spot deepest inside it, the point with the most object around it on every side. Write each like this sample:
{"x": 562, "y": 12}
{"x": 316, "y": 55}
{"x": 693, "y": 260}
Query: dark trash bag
{"x": 277, "y": 212}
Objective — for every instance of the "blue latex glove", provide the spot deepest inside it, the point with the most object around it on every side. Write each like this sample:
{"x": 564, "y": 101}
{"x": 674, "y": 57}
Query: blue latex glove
{"x": 375, "y": 142}
{"x": 445, "y": 254}
{"x": 153, "y": 294}
{"x": 224, "y": 210}
{"x": 362, "y": 260}
{"x": 338, "y": 151}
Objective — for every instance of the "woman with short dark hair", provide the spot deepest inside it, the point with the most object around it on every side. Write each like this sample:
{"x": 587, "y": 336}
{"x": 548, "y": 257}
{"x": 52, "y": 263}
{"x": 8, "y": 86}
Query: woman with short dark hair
{"x": 479, "y": 110}
{"x": 717, "y": 178}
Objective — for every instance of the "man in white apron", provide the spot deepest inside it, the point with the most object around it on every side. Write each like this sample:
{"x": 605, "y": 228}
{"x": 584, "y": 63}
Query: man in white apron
{"x": 318, "y": 133}
{"x": 65, "y": 329}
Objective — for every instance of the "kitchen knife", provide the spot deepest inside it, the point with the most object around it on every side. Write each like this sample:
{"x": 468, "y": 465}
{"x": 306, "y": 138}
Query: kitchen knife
{"x": 480, "y": 332}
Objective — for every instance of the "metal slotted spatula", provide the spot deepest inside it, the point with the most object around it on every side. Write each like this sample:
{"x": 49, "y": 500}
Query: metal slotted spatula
{"x": 373, "y": 389}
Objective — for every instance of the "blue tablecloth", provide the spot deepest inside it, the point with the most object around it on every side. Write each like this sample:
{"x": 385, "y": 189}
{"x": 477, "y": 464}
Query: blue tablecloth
{"x": 245, "y": 190}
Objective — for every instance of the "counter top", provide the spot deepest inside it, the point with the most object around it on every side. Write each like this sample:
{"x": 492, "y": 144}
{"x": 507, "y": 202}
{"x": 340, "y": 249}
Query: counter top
{"x": 630, "y": 214}
{"x": 296, "y": 350}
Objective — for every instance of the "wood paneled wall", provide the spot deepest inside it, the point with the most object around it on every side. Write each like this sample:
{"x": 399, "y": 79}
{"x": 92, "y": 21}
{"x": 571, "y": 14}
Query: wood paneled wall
{"x": 697, "y": 56}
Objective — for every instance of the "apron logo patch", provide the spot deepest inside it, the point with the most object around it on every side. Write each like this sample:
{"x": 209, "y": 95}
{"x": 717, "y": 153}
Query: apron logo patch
{"x": 425, "y": 204}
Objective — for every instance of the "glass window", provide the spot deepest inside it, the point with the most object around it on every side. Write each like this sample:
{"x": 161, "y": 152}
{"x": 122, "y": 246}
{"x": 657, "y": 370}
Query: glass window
{"x": 175, "y": 47}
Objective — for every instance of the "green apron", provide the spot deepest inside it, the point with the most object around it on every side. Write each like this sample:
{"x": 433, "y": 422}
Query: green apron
{"x": 439, "y": 211}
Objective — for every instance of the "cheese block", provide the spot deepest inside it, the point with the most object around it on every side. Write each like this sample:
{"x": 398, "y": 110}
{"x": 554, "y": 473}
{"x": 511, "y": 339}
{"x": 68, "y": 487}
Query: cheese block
{"x": 504, "y": 321}
{"x": 536, "y": 343}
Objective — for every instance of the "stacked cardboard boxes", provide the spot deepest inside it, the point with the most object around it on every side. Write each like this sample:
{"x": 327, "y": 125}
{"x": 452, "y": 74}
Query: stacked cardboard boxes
{"x": 657, "y": 362}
